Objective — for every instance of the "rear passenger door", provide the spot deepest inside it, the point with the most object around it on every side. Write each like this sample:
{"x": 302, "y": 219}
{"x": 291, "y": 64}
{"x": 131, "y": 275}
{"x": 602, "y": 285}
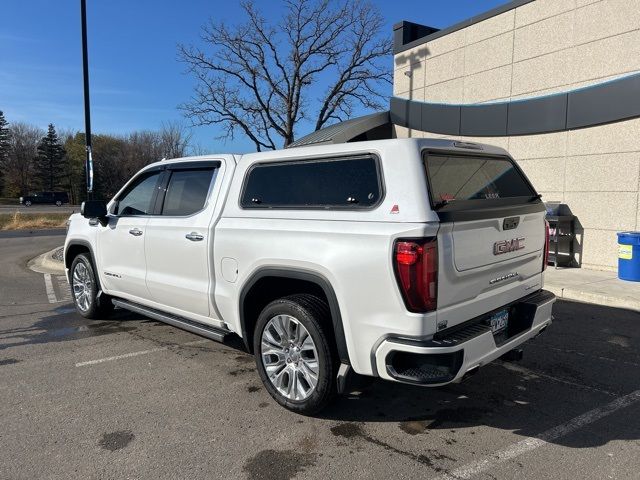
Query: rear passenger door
{"x": 179, "y": 239}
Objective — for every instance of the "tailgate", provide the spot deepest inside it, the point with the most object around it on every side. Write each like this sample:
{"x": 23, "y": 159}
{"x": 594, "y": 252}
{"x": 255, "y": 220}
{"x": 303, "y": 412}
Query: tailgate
{"x": 492, "y": 233}
{"x": 496, "y": 241}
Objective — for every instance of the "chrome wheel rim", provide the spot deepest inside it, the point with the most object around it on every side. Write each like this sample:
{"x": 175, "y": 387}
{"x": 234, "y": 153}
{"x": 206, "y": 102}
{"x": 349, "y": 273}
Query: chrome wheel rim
{"x": 82, "y": 286}
{"x": 290, "y": 357}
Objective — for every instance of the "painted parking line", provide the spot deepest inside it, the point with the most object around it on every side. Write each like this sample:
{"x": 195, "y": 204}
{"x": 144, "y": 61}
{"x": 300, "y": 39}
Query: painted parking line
{"x": 63, "y": 293}
{"x": 532, "y": 443}
{"x": 138, "y": 353}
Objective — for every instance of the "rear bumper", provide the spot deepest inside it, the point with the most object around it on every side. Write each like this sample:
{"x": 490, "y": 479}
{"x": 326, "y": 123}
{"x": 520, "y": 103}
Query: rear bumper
{"x": 459, "y": 350}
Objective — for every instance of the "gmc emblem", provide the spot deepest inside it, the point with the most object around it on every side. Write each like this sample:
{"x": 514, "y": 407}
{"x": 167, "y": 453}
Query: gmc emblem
{"x": 505, "y": 246}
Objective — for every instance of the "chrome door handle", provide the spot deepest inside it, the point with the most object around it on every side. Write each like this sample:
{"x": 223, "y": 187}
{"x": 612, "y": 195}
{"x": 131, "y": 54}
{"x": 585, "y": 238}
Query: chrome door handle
{"x": 194, "y": 237}
{"x": 136, "y": 232}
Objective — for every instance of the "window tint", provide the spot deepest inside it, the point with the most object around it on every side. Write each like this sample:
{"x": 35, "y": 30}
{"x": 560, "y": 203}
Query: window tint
{"x": 187, "y": 191}
{"x": 137, "y": 199}
{"x": 337, "y": 183}
{"x": 473, "y": 178}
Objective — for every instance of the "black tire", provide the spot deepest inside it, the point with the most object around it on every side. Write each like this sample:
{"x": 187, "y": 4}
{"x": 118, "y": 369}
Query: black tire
{"x": 58, "y": 203}
{"x": 96, "y": 307}
{"x": 27, "y": 203}
{"x": 313, "y": 313}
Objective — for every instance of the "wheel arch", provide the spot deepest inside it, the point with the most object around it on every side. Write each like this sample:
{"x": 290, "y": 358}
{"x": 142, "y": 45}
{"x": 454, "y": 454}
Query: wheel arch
{"x": 76, "y": 247}
{"x": 248, "y": 318}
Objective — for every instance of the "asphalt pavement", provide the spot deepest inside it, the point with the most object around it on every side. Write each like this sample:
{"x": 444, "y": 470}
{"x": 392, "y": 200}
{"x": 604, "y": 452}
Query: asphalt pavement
{"x": 132, "y": 398}
{"x": 11, "y": 209}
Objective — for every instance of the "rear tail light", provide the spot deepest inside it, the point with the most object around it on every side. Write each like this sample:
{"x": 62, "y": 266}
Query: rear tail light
{"x": 545, "y": 257}
{"x": 416, "y": 267}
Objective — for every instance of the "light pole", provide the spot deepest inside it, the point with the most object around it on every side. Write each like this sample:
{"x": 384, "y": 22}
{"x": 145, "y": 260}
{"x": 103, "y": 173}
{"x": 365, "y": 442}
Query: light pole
{"x": 87, "y": 108}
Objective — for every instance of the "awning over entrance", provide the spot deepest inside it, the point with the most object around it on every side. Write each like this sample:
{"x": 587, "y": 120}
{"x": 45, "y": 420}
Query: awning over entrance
{"x": 375, "y": 126}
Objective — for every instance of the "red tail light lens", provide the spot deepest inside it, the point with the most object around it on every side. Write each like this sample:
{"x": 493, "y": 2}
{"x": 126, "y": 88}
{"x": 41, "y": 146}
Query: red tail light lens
{"x": 416, "y": 266}
{"x": 546, "y": 245}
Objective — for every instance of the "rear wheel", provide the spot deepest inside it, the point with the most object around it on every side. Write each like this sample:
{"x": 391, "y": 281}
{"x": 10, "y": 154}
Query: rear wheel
{"x": 58, "y": 203}
{"x": 294, "y": 353}
{"x": 27, "y": 203}
{"x": 85, "y": 288}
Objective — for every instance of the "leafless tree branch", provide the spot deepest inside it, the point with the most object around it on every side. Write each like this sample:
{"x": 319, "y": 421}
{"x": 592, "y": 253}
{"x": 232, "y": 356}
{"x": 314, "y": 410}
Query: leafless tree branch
{"x": 260, "y": 79}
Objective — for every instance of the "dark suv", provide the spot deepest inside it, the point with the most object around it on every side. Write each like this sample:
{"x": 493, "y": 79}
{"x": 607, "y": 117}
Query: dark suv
{"x": 52, "y": 198}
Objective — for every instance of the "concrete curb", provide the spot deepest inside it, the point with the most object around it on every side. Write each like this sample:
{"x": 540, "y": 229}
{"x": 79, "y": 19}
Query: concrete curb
{"x": 591, "y": 297}
{"x": 45, "y": 263}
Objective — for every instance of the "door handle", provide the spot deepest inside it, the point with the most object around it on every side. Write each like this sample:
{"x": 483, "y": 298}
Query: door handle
{"x": 136, "y": 232}
{"x": 194, "y": 237}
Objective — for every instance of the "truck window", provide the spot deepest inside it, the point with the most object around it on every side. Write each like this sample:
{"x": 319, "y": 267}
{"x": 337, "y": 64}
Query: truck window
{"x": 187, "y": 191}
{"x": 460, "y": 177}
{"x": 350, "y": 183}
{"x": 136, "y": 200}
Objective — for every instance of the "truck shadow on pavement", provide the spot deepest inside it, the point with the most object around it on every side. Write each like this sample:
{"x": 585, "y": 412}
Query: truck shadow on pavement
{"x": 64, "y": 325}
{"x": 588, "y": 359}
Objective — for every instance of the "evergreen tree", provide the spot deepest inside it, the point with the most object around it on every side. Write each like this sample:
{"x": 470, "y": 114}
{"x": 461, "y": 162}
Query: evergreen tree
{"x": 5, "y": 147}
{"x": 49, "y": 164}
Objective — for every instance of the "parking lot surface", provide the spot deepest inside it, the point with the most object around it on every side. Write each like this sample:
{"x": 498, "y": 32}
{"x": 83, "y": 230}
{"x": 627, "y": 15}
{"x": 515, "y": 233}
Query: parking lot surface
{"x": 132, "y": 398}
{"x": 11, "y": 209}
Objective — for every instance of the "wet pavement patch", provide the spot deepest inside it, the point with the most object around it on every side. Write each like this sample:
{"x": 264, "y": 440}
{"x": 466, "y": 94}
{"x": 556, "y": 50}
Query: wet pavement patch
{"x": 353, "y": 431}
{"x": 116, "y": 440}
{"x": 9, "y": 361}
{"x": 244, "y": 358}
{"x": 413, "y": 427}
{"x": 240, "y": 371}
{"x": 277, "y": 465}
{"x": 348, "y": 430}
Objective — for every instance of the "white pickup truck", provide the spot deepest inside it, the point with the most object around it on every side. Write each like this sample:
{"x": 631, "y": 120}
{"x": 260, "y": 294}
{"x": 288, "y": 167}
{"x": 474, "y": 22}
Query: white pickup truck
{"x": 413, "y": 260}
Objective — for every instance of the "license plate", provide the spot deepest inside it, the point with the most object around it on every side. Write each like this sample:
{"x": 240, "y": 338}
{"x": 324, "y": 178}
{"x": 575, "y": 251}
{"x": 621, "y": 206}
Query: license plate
{"x": 499, "y": 321}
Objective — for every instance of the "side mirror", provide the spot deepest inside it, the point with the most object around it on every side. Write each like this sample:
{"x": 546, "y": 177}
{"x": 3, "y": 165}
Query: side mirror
{"x": 94, "y": 209}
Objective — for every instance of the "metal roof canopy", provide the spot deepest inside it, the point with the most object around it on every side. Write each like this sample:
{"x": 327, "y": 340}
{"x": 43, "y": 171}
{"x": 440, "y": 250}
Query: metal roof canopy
{"x": 375, "y": 126}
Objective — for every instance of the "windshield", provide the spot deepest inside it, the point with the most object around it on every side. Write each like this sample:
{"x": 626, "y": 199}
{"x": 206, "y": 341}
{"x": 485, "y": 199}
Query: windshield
{"x": 461, "y": 177}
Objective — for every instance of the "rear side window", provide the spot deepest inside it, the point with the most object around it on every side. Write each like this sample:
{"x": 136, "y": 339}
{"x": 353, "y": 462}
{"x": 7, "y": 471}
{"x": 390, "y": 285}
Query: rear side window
{"x": 350, "y": 183}
{"x": 455, "y": 178}
{"x": 187, "y": 191}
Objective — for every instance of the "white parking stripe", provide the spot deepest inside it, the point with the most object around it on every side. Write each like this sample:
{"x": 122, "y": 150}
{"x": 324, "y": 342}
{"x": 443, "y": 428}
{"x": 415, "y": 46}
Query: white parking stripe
{"x": 51, "y": 294}
{"x": 532, "y": 443}
{"x": 140, "y": 352}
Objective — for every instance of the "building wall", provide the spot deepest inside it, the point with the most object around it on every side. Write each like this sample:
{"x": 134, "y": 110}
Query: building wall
{"x": 544, "y": 47}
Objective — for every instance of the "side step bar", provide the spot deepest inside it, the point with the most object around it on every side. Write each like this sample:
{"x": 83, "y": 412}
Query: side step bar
{"x": 207, "y": 331}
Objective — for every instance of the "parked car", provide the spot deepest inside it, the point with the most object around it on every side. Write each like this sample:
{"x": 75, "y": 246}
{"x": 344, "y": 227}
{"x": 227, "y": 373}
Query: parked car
{"x": 50, "y": 198}
{"x": 413, "y": 260}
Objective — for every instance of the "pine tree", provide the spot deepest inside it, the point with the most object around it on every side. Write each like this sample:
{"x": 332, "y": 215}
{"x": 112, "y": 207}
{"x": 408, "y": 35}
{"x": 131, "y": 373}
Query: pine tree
{"x": 49, "y": 164}
{"x": 4, "y": 147}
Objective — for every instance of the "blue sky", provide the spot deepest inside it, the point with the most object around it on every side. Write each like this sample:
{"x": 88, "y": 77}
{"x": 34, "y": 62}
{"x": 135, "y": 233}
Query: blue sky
{"x": 136, "y": 80}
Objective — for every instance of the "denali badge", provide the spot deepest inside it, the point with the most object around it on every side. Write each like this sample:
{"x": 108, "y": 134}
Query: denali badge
{"x": 504, "y": 277}
{"x": 505, "y": 246}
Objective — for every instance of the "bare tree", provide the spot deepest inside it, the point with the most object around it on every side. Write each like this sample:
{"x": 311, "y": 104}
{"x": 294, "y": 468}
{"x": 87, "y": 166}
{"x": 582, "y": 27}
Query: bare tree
{"x": 19, "y": 165}
{"x": 174, "y": 139}
{"x": 260, "y": 79}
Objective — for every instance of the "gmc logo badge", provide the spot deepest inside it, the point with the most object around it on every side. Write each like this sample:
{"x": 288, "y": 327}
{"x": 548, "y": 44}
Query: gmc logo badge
{"x": 505, "y": 246}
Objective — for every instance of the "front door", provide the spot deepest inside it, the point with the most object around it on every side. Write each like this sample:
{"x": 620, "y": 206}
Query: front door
{"x": 121, "y": 243}
{"x": 179, "y": 240}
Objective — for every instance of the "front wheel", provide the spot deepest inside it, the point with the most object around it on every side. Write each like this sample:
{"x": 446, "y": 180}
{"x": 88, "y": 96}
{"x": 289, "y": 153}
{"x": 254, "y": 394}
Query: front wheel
{"x": 84, "y": 288}
{"x": 27, "y": 203}
{"x": 294, "y": 354}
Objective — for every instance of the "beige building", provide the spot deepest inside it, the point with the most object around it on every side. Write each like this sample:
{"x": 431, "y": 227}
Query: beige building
{"x": 556, "y": 83}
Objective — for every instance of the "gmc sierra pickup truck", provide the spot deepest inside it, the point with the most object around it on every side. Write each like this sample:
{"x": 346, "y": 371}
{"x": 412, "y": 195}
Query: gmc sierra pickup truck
{"x": 413, "y": 260}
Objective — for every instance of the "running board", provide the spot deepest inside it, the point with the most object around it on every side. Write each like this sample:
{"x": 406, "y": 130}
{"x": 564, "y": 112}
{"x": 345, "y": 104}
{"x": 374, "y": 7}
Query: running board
{"x": 213, "y": 333}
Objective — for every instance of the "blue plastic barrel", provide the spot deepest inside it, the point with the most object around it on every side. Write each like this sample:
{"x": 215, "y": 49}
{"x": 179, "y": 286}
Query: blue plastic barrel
{"x": 629, "y": 256}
